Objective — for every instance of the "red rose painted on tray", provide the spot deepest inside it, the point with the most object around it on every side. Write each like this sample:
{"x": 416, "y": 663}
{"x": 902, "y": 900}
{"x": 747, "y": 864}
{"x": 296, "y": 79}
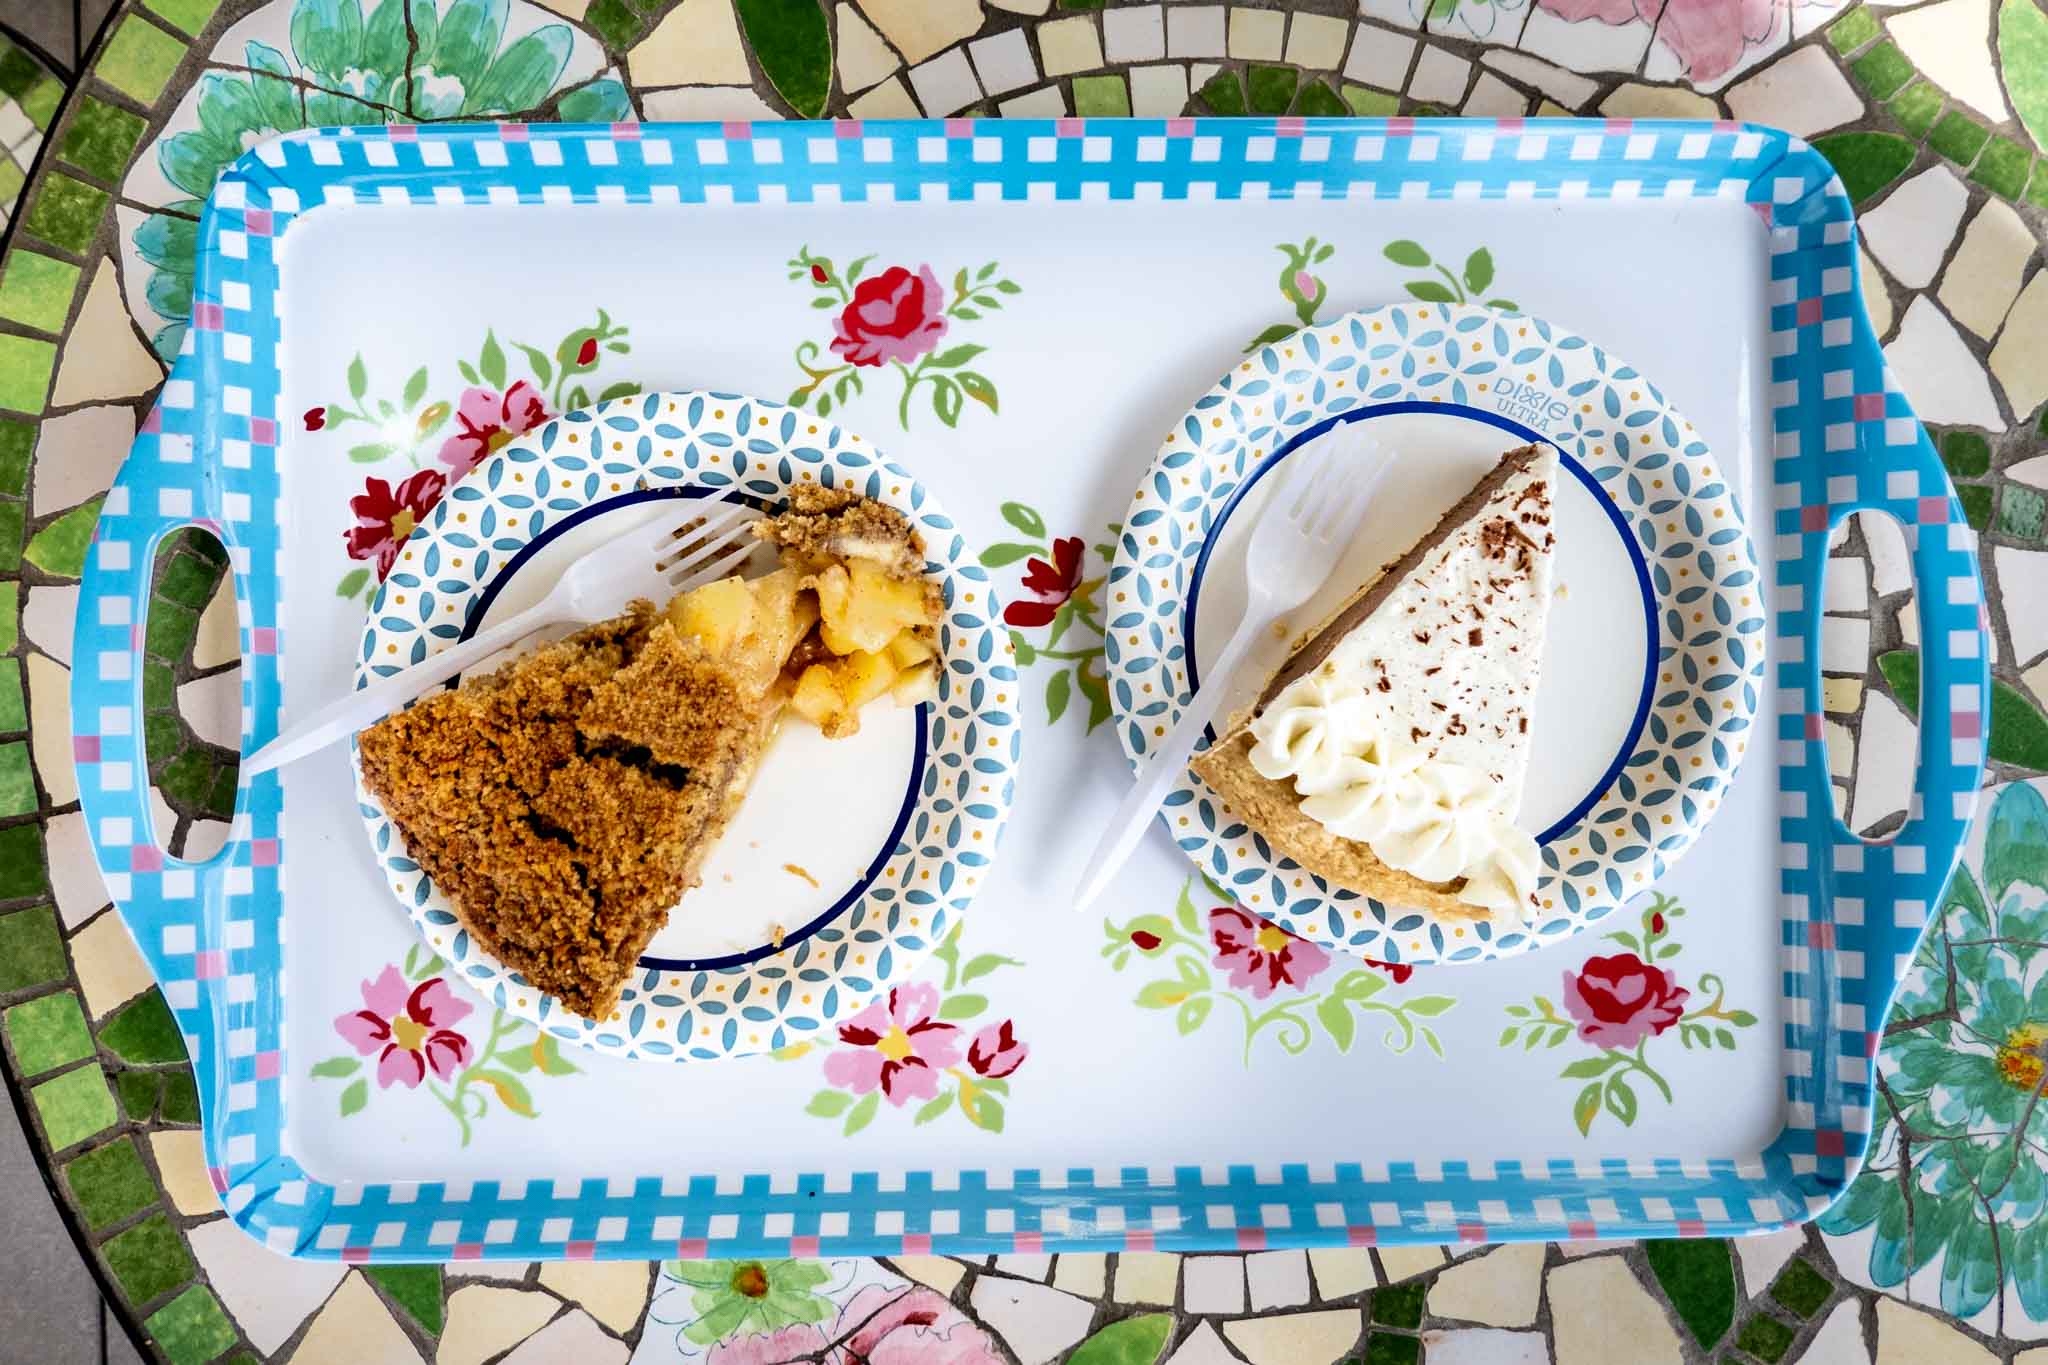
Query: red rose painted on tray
{"x": 1275, "y": 981}
{"x": 1055, "y": 595}
{"x": 1048, "y": 586}
{"x": 494, "y": 407}
{"x": 895, "y": 318}
{"x": 1621, "y": 1003}
{"x": 407, "y": 1033}
{"x": 913, "y": 1044}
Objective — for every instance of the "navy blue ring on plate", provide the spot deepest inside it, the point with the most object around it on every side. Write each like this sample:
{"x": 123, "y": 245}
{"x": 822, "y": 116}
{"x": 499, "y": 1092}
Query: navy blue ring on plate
{"x": 1652, "y": 644}
{"x": 917, "y": 762}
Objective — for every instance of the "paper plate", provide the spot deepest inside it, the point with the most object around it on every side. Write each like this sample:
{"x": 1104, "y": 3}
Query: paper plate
{"x": 1655, "y": 655}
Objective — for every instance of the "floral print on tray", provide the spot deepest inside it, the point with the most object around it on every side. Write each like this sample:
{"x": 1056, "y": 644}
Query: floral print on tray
{"x": 1620, "y": 1003}
{"x": 916, "y": 1044}
{"x": 1273, "y": 982}
{"x": 407, "y": 1036}
{"x": 781, "y": 1312}
{"x": 896, "y": 318}
{"x": 1055, "y": 595}
{"x": 444, "y": 438}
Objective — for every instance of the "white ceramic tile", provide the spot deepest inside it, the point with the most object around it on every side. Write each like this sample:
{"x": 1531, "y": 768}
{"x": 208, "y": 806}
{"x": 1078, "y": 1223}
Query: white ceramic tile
{"x": 1379, "y": 58}
{"x": 1910, "y": 231}
{"x": 862, "y": 58}
{"x": 1941, "y": 377}
{"x": 485, "y": 1320}
{"x": 1840, "y": 1339}
{"x": 1277, "y": 1279}
{"x": 707, "y": 102}
{"x": 2033, "y": 473}
{"x": 1587, "y": 45}
{"x": 1484, "y": 1346}
{"x": 1203, "y": 1347}
{"x": 1845, "y": 644}
{"x": 1983, "y": 277}
{"x": 1886, "y": 752}
{"x": 1567, "y": 88}
{"x": 1067, "y": 45}
{"x": 1950, "y": 44}
{"x": 76, "y": 455}
{"x": 572, "y": 1339}
{"x": 1003, "y": 61}
{"x": 1341, "y": 1272}
{"x": 1598, "y": 1312}
{"x": 1763, "y": 1257}
{"x": 1845, "y": 588}
{"x": 269, "y": 1294}
{"x": 920, "y": 28}
{"x": 1036, "y": 1322}
{"x": 74, "y": 874}
{"x": 2023, "y": 583}
{"x": 212, "y": 706}
{"x": 1212, "y": 1284}
{"x": 1045, "y": 102}
{"x": 47, "y": 615}
{"x": 1493, "y": 97}
{"x": 1292, "y": 1338}
{"x": 1804, "y": 92}
{"x": 887, "y": 100}
{"x": 1439, "y": 77}
{"x": 945, "y": 84}
{"x": 1158, "y": 91}
{"x": 1137, "y": 34}
{"x": 1034, "y": 1266}
{"x": 1194, "y": 31}
{"x": 1498, "y": 1289}
{"x": 2020, "y": 359}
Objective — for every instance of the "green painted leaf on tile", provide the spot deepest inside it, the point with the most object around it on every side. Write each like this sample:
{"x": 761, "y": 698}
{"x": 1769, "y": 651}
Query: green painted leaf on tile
{"x": 2019, "y": 731}
{"x": 47, "y": 1032}
{"x": 1223, "y": 94}
{"x": 144, "y": 1031}
{"x": 1272, "y": 88}
{"x": 1698, "y": 1276}
{"x": 31, "y": 952}
{"x": 191, "y": 1328}
{"x": 794, "y": 45}
{"x": 1134, "y": 1341}
{"x": 416, "y": 1288}
{"x": 74, "y": 1106}
{"x": 1867, "y": 162}
{"x": 59, "y": 548}
{"x": 2023, "y": 60}
{"x": 616, "y": 24}
{"x": 110, "y": 1183}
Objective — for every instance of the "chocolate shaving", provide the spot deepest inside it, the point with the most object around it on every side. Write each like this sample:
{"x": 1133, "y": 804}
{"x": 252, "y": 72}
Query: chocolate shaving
{"x": 1474, "y": 637}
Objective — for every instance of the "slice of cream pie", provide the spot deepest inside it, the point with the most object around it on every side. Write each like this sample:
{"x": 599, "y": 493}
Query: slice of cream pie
{"x": 1388, "y": 754}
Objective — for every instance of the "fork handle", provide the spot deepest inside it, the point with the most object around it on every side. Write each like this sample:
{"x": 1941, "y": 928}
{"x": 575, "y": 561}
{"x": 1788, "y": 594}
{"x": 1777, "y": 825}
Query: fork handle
{"x": 1168, "y": 761}
{"x": 350, "y": 713}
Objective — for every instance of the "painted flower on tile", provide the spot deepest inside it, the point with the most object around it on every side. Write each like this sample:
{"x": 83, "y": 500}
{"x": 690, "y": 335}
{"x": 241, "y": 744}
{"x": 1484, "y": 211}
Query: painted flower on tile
{"x": 1707, "y": 36}
{"x": 895, "y": 319}
{"x": 898, "y": 1043}
{"x": 1620, "y": 1003}
{"x": 821, "y": 1312}
{"x": 385, "y": 516}
{"x": 410, "y": 1032}
{"x": 1261, "y": 956}
{"x": 354, "y": 63}
{"x": 486, "y": 420}
{"x": 1273, "y": 980}
{"x": 408, "y": 1024}
{"x": 1954, "y": 1193}
{"x": 1621, "y": 1000}
{"x": 1055, "y": 594}
{"x": 880, "y": 1326}
{"x": 912, "y": 1044}
{"x": 753, "y": 1302}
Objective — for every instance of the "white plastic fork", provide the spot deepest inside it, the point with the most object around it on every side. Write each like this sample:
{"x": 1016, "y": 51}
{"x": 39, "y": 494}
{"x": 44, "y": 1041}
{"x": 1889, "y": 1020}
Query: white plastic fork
{"x": 670, "y": 554}
{"x": 1324, "y": 490}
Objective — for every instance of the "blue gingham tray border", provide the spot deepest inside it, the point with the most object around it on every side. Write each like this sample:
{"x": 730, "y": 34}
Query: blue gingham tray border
{"x": 1851, "y": 913}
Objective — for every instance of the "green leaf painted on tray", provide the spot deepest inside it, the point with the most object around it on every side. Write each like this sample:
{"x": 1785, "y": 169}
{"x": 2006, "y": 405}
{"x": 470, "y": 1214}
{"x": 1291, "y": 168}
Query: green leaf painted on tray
{"x": 352, "y": 583}
{"x": 1338, "y": 1021}
{"x": 1866, "y": 162}
{"x": 543, "y": 368}
{"x": 1430, "y": 1005}
{"x": 1005, "y": 552}
{"x": 946, "y": 400}
{"x": 931, "y": 1109}
{"x": 1360, "y": 985}
{"x": 1592, "y": 1066}
{"x": 491, "y": 364}
{"x": 957, "y": 356}
{"x": 1479, "y": 270}
{"x": 1192, "y": 1014}
{"x": 1698, "y": 1276}
{"x": 1279, "y": 331}
{"x": 1059, "y": 689}
{"x": 358, "y": 378}
{"x": 1405, "y": 252}
{"x": 1586, "y": 1107}
{"x": 863, "y": 1113}
{"x": 511, "y": 1091}
{"x": 1134, "y": 1341}
{"x": 962, "y": 1006}
{"x": 829, "y": 1104}
{"x": 416, "y": 386}
{"x": 1160, "y": 995}
{"x": 1024, "y": 518}
{"x": 1429, "y": 291}
{"x": 1621, "y": 1101}
{"x": 980, "y": 388}
{"x": 355, "y": 1097}
{"x": 984, "y": 964}
{"x": 370, "y": 452}
{"x": 2023, "y": 59}
{"x": 982, "y": 1109}
{"x": 338, "y": 1066}
{"x": 2019, "y": 731}
{"x": 794, "y": 46}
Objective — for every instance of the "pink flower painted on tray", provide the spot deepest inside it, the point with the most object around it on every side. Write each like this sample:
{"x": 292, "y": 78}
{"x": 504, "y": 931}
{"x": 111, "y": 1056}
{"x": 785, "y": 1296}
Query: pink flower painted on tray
{"x": 1261, "y": 956}
{"x": 895, "y": 315}
{"x": 1621, "y": 1000}
{"x": 486, "y": 420}
{"x": 385, "y": 516}
{"x": 920, "y": 1327}
{"x": 995, "y": 1050}
{"x": 1707, "y": 36}
{"x": 899, "y": 1044}
{"x": 412, "y": 1032}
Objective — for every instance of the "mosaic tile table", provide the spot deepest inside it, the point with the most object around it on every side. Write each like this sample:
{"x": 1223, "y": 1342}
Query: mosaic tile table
{"x": 1936, "y": 116}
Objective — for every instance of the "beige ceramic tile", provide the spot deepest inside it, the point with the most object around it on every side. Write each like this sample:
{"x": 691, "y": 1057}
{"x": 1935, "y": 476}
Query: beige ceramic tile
{"x": 1146, "y": 1277}
{"x": 1316, "y": 42}
{"x": 1484, "y": 1346}
{"x": 1803, "y": 92}
{"x": 1907, "y": 1336}
{"x": 862, "y": 57}
{"x": 1067, "y": 45}
{"x": 1565, "y": 87}
{"x": 1763, "y": 1257}
{"x": 946, "y": 83}
{"x": 1945, "y": 382}
{"x": 1983, "y": 277}
{"x": 1841, "y": 746}
{"x": 212, "y": 706}
{"x": 77, "y": 454}
{"x": 698, "y": 43}
{"x": 1379, "y": 58}
{"x": 1045, "y": 102}
{"x": 1439, "y": 77}
{"x": 1296, "y": 1338}
{"x": 48, "y": 614}
{"x": 484, "y": 1320}
{"x": 181, "y": 1159}
{"x": 1406, "y": 1262}
{"x": 568, "y": 9}
{"x": 1841, "y": 696}
{"x": 1499, "y": 1289}
{"x": 111, "y": 971}
{"x": 1657, "y": 101}
{"x": 1877, "y": 300}
{"x": 888, "y": 100}
{"x": 1341, "y": 1272}
{"x": 939, "y": 1272}
{"x": 353, "y": 1328}
{"x": 49, "y": 733}
{"x": 104, "y": 358}
{"x": 708, "y": 102}
{"x": 1135, "y": 34}
{"x": 1203, "y": 1347}
{"x": 919, "y": 28}
{"x": 1023, "y": 6}
{"x": 271, "y": 1296}
{"x": 572, "y": 1339}
{"x": 1493, "y": 97}
{"x": 219, "y": 638}
{"x": 1256, "y": 35}
{"x": 2036, "y": 679}
{"x": 1949, "y": 44}
{"x": 1840, "y": 1340}
{"x": 1036, "y": 1322}
{"x": 1080, "y": 1273}
{"x": 203, "y": 839}
{"x": 75, "y": 879}
{"x": 614, "y": 1292}
{"x": 1158, "y": 91}
{"x": 2020, "y": 359}
{"x": 1911, "y": 230}
{"x": 1599, "y": 1315}
{"x": 1195, "y": 31}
